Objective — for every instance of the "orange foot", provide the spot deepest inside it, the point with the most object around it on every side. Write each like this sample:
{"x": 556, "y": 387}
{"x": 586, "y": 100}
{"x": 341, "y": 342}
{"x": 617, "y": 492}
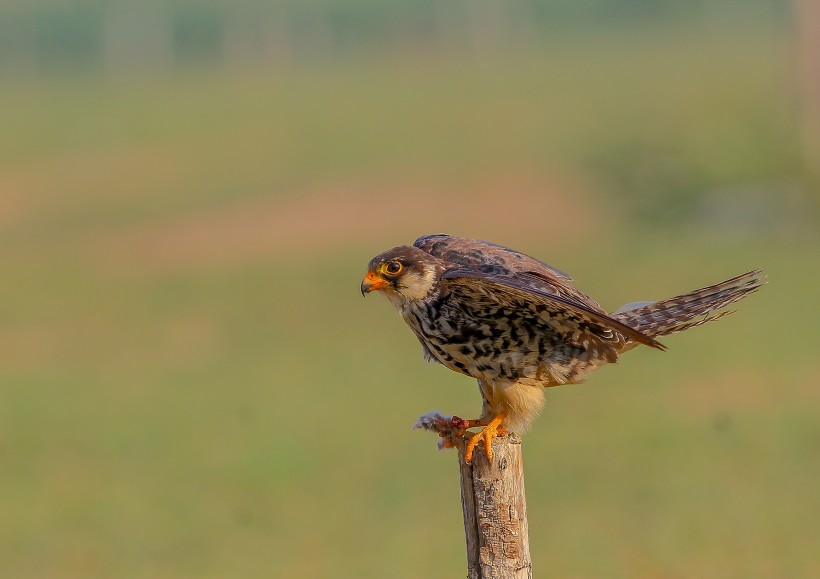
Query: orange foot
{"x": 486, "y": 434}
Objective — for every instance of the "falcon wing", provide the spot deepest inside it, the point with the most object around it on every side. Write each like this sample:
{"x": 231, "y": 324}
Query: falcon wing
{"x": 577, "y": 320}
{"x": 473, "y": 252}
{"x": 493, "y": 258}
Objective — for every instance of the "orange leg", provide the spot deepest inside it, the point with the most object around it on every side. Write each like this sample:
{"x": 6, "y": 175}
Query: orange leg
{"x": 457, "y": 426}
{"x": 486, "y": 434}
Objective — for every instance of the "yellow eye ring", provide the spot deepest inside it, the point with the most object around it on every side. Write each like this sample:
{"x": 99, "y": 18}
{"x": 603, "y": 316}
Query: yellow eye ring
{"x": 393, "y": 268}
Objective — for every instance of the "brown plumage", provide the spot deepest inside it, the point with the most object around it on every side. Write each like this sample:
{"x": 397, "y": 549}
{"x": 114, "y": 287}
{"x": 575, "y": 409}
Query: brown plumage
{"x": 516, "y": 324}
{"x": 691, "y": 309}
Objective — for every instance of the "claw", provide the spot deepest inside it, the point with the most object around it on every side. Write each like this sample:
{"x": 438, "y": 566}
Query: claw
{"x": 450, "y": 428}
{"x": 486, "y": 434}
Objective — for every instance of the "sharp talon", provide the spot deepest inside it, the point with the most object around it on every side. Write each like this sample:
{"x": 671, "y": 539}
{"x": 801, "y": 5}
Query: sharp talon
{"x": 486, "y": 434}
{"x": 488, "y": 442}
{"x": 468, "y": 452}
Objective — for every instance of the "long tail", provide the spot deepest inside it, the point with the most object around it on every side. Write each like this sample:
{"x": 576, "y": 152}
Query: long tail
{"x": 689, "y": 310}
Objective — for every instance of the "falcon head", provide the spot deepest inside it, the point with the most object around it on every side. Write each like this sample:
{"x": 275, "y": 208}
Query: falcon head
{"x": 403, "y": 274}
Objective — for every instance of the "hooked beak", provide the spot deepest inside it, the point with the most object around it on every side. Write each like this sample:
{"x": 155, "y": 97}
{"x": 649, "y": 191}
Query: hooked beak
{"x": 372, "y": 282}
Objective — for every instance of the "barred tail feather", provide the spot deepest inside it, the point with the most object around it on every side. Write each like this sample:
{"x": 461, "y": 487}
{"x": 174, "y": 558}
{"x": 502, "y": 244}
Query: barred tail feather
{"x": 689, "y": 310}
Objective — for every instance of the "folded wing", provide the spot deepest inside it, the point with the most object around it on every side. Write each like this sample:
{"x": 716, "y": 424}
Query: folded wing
{"x": 577, "y": 322}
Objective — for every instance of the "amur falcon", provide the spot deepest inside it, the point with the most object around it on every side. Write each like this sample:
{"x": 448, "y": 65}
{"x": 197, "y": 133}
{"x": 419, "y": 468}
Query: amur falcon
{"x": 516, "y": 324}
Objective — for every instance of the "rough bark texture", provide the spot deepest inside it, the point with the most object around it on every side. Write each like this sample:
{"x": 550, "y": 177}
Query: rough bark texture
{"x": 495, "y": 511}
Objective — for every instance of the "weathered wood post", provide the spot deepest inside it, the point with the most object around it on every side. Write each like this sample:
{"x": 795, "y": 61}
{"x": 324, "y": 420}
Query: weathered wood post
{"x": 495, "y": 511}
{"x": 493, "y": 504}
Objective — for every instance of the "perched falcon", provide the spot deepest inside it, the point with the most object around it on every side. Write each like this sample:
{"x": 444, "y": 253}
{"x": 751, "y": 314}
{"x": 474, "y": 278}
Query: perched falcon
{"x": 516, "y": 324}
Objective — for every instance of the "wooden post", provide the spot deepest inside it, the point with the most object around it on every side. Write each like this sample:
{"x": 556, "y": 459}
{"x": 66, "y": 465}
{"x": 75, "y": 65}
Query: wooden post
{"x": 495, "y": 511}
{"x": 492, "y": 500}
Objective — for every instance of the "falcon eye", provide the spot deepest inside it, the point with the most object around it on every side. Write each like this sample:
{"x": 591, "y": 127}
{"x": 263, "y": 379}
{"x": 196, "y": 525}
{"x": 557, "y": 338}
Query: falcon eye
{"x": 393, "y": 268}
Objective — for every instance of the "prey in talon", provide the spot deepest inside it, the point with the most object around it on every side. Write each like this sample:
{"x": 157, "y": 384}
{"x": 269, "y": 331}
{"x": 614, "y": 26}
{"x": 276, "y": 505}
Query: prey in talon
{"x": 517, "y": 325}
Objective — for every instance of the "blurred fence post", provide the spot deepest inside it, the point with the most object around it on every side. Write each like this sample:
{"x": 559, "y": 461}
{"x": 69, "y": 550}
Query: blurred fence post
{"x": 495, "y": 511}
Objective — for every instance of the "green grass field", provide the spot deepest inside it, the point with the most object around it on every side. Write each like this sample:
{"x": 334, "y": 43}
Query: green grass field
{"x": 192, "y": 386}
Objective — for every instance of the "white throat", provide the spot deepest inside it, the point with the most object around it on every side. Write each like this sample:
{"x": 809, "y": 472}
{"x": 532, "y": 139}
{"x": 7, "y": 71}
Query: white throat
{"x": 412, "y": 287}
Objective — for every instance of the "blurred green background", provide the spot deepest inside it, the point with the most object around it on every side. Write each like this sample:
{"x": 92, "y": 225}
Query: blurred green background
{"x": 191, "y": 384}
